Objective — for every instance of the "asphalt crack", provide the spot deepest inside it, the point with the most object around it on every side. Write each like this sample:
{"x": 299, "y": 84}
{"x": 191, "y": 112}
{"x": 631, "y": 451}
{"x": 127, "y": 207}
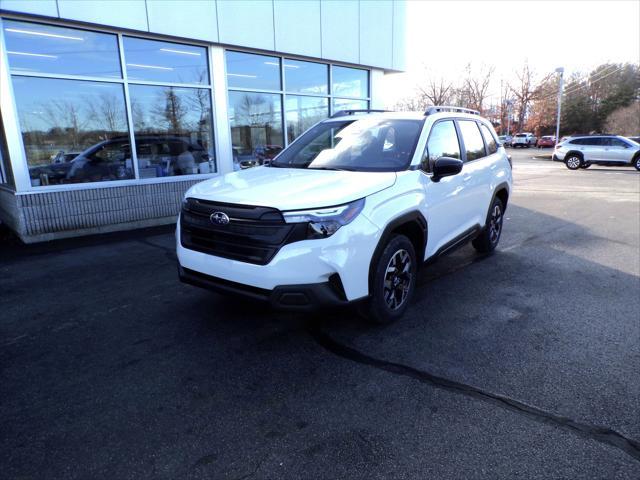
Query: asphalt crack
{"x": 595, "y": 432}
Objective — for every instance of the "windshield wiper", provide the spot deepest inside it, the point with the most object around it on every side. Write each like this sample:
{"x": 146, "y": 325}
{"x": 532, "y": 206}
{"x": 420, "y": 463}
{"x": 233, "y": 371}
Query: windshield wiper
{"x": 332, "y": 168}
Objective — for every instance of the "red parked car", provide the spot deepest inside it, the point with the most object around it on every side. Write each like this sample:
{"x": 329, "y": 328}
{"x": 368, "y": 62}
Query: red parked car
{"x": 546, "y": 141}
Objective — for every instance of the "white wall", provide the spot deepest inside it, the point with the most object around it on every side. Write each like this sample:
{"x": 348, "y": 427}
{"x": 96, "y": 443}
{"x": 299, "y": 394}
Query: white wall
{"x": 365, "y": 32}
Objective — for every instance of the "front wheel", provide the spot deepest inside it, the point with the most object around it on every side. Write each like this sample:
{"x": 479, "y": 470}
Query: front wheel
{"x": 393, "y": 282}
{"x": 636, "y": 162}
{"x": 573, "y": 162}
{"x": 488, "y": 239}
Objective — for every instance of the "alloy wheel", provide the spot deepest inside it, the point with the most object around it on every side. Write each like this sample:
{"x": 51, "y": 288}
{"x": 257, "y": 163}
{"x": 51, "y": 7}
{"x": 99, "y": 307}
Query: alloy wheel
{"x": 495, "y": 224}
{"x": 573, "y": 162}
{"x": 397, "y": 279}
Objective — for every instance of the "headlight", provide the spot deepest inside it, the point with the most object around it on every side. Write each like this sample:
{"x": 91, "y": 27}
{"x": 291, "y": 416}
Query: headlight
{"x": 324, "y": 222}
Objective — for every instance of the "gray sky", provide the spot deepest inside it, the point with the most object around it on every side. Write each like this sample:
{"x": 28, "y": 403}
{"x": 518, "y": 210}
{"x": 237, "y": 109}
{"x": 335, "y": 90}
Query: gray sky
{"x": 444, "y": 36}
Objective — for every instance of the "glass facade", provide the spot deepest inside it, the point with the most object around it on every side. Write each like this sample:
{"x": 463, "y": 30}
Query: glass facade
{"x": 273, "y": 100}
{"x": 95, "y": 106}
{"x": 74, "y": 98}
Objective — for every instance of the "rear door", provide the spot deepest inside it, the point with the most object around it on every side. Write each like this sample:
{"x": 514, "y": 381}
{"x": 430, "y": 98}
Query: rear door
{"x": 615, "y": 150}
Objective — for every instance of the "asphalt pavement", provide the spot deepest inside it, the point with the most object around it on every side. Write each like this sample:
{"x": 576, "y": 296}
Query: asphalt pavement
{"x": 522, "y": 364}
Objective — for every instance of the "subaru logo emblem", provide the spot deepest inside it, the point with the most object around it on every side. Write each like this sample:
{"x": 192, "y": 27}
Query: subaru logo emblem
{"x": 219, "y": 218}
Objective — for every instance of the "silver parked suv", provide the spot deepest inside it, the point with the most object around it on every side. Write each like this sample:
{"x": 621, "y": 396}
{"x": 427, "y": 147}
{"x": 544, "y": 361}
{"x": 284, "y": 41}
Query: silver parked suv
{"x": 586, "y": 150}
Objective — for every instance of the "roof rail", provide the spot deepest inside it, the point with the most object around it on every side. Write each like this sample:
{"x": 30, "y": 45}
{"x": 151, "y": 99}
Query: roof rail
{"x": 446, "y": 108}
{"x": 343, "y": 113}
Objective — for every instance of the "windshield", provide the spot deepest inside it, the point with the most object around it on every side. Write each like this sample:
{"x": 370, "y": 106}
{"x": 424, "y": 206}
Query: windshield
{"x": 368, "y": 144}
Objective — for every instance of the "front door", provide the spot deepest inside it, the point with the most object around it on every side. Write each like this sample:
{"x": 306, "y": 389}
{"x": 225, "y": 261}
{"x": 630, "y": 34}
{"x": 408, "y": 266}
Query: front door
{"x": 449, "y": 206}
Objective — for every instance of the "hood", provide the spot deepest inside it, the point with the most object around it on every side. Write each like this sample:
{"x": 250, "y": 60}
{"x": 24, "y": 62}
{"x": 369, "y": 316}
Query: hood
{"x": 291, "y": 188}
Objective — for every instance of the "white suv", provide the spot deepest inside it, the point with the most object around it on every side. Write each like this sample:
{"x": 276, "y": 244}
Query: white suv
{"x": 523, "y": 140}
{"x": 586, "y": 150}
{"x": 349, "y": 211}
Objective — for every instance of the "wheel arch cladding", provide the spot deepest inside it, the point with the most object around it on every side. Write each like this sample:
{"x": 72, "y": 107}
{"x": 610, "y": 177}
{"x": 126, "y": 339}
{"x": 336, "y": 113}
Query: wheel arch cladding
{"x": 413, "y": 225}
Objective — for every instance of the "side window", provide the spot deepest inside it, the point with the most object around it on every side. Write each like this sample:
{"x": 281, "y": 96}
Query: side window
{"x": 473, "y": 143}
{"x": 489, "y": 139}
{"x": 443, "y": 142}
{"x": 615, "y": 142}
{"x": 594, "y": 142}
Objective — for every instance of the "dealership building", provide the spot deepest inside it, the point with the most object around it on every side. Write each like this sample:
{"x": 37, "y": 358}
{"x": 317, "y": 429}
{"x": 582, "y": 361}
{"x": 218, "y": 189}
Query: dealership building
{"x": 112, "y": 109}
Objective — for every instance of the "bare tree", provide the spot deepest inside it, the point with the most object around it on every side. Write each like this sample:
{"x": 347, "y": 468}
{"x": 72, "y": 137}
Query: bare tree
{"x": 436, "y": 92}
{"x": 475, "y": 86}
{"x": 525, "y": 91}
{"x": 624, "y": 120}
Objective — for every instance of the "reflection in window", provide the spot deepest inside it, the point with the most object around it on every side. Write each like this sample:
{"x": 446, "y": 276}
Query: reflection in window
{"x": 443, "y": 142}
{"x": 302, "y": 113}
{"x": 346, "y": 104}
{"x": 36, "y": 48}
{"x": 489, "y": 140}
{"x": 258, "y": 72}
{"x": 172, "y": 128}
{"x": 157, "y": 61}
{"x": 306, "y": 77}
{"x": 4, "y": 157}
{"x": 350, "y": 82}
{"x": 73, "y": 131}
{"x": 473, "y": 143}
{"x": 256, "y": 127}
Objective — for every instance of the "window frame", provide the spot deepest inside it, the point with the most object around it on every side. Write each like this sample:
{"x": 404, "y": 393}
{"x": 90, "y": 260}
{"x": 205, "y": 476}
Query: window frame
{"x": 16, "y": 147}
{"x": 283, "y": 92}
{"x": 426, "y": 145}
{"x": 477, "y": 123}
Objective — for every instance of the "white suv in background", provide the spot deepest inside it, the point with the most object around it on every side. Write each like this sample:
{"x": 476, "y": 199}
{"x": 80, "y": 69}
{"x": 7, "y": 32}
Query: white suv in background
{"x": 349, "y": 211}
{"x": 523, "y": 140}
{"x": 586, "y": 150}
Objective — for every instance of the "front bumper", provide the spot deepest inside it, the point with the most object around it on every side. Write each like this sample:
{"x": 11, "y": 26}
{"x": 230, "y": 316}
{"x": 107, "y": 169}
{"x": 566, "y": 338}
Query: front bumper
{"x": 304, "y": 297}
{"x": 346, "y": 253}
{"x": 558, "y": 156}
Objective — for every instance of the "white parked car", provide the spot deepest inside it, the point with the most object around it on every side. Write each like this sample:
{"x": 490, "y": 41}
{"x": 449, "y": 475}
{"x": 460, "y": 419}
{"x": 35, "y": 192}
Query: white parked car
{"x": 586, "y": 150}
{"x": 349, "y": 211}
{"x": 524, "y": 140}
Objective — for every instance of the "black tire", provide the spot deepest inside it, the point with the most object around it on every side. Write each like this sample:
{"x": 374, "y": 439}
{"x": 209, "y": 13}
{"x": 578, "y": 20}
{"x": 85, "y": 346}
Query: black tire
{"x": 585, "y": 165}
{"x": 391, "y": 291}
{"x": 636, "y": 162}
{"x": 489, "y": 238}
{"x": 573, "y": 161}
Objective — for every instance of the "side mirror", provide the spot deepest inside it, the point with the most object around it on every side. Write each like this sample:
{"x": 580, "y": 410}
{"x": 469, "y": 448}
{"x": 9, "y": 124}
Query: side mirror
{"x": 445, "y": 167}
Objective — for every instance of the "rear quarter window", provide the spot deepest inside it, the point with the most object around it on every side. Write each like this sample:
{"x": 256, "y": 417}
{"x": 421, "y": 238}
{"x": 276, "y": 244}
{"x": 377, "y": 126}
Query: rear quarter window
{"x": 489, "y": 139}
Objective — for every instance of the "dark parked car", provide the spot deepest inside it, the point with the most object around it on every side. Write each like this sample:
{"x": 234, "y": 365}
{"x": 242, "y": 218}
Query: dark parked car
{"x": 265, "y": 153}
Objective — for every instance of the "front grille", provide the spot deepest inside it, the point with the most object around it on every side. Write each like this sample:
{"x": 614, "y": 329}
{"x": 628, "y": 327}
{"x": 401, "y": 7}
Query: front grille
{"x": 253, "y": 234}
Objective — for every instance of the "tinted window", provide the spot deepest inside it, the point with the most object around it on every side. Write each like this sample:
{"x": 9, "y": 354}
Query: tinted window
{"x": 172, "y": 128}
{"x": 492, "y": 146}
{"x": 615, "y": 142}
{"x": 303, "y": 112}
{"x": 259, "y": 72}
{"x": 256, "y": 127}
{"x": 71, "y": 119}
{"x": 165, "y": 62}
{"x": 368, "y": 144}
{"x": 473, "y": 142}
{"x": 306, "y": 77}
{"x": 443, "y": 142}
{"x": 597, "y": 141}
{"x": 32, "y": 47}
{"x": 350, "y": 82}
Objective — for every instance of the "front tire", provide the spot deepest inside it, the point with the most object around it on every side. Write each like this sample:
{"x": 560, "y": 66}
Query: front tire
{"x": 488, "y": 239}
{"x": 393, "y": 282}
{"x": 573, "y": 162}
{"x": 636, "y": 162}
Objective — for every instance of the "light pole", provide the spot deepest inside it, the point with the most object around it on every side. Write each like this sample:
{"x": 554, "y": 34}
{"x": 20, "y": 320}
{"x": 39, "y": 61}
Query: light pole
{"x": 559, "y": 70}
{"x": 509, "y": 103}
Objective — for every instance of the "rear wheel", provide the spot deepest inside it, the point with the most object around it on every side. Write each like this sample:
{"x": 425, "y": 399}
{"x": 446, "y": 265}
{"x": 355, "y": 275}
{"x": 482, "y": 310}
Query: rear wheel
{"x": 573, "y": 161}
{"x": 636, "y": 162}
{"x": 393, "y": 282}
{"x": 488, "y": 239}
